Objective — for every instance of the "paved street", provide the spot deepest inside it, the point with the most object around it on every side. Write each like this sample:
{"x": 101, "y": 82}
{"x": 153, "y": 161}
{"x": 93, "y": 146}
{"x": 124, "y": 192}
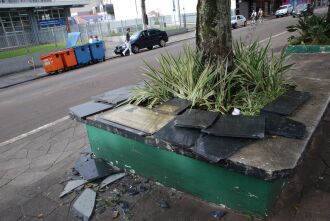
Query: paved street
{"x": 33, "y": 104}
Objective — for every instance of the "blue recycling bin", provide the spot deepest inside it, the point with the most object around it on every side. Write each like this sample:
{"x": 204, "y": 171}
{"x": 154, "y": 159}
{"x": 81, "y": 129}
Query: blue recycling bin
{"x": 97, "y": 50}
{"x": 83, "y": 54}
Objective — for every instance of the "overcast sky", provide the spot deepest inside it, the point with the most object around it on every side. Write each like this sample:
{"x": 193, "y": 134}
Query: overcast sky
{"x": 125, "y": 9}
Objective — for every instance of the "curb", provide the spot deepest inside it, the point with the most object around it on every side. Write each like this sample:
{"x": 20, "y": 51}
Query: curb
{"x": 307, "y": 49}
{"x": 21, "y": 82}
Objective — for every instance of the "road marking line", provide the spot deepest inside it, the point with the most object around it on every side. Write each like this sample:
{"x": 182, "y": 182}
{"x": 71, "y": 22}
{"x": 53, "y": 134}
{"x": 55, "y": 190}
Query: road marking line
{"x": 275, "y": 36}
{"x": 33, "y": 131}
{"x": 67, "y": 117}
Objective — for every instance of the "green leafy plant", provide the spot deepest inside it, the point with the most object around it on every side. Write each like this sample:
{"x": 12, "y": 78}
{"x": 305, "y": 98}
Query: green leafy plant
{"x": 257, "y": 79}
{"x": 312, "y": 30}
{"x": 260, "y": 76}
{"x": 183, "y": 76}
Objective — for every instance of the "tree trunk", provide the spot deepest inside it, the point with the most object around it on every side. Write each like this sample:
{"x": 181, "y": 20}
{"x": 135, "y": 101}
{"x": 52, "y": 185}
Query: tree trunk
{"x": 213, "y": 31}
{"x": 144, "y": 14}
{"x": 328, "y": 16}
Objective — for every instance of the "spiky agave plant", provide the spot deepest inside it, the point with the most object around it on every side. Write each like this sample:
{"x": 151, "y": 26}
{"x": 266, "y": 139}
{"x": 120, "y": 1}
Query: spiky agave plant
{"x": 260, "y": 76}
{"x": 184, "y": 76}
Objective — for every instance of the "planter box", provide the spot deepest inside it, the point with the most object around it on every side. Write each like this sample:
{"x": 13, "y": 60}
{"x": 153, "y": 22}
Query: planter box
{"x": 248, "y": 181}
{"x": 307, "y": 48}
{"x": 204, "y": 180}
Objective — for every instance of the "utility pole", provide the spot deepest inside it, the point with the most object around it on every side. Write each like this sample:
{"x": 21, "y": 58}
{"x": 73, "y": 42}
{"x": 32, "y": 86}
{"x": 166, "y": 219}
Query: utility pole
{"x": 137, "y": 15}
{"x": 144, "y": 14}
{"x": 184, "y": 16}
{"x": 179, "y": 13}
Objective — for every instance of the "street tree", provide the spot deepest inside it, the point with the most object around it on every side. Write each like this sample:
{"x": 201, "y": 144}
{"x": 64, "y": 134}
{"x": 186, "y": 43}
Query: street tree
{"x": 213, "y": 31}
{"x": 144, "y": 14}
{"x": 328, "y": 16}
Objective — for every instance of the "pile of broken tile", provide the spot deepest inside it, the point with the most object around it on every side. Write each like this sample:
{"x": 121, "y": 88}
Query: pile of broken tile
{"x": 89, "y": 176}
{"x": 105, "y": 192}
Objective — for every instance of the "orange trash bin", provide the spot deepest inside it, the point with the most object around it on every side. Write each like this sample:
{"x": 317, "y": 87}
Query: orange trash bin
{"x": 52, "y": 62}
{"x": 68, "y": 57}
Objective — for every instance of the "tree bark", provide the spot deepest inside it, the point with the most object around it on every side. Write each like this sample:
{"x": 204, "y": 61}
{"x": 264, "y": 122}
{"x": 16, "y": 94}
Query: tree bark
{"x": 328, "y": 15}
{"x": 144, "y": 14}
{"x": 213, "y": 31}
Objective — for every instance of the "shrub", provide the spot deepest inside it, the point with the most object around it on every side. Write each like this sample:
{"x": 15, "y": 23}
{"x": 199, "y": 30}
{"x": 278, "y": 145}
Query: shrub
{"x": 256, "y": 80}
{"x": 312, "y": 29}
{"x": 260, "y": 76}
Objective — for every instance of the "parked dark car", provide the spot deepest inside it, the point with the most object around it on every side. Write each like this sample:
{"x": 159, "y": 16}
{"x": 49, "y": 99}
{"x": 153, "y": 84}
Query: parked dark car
{"x": 144, "y": 39}
{"x": 302, "y": 10}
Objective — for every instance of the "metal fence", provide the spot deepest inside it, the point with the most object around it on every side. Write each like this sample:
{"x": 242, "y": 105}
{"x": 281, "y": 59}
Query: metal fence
{"x": 114, "y": 28}
{"x": 55, "y": 38}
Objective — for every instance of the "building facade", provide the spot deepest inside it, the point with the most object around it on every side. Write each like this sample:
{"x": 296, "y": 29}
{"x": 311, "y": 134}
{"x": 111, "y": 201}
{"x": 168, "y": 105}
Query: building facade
{"x": 23, "y": 22}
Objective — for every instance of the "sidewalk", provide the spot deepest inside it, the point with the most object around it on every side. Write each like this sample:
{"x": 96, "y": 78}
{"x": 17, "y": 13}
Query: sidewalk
{"x": 34, "y": 171}
{"x": 22, "y": 77}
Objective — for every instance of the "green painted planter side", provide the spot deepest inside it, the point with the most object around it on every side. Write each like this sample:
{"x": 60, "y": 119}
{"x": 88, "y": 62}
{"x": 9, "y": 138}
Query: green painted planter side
{"x": 212, "y": 183}
{"x": 307, "y": 48}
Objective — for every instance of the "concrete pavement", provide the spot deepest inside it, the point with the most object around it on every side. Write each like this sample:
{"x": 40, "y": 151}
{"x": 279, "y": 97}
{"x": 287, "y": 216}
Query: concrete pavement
{"x": 33, "y": 171}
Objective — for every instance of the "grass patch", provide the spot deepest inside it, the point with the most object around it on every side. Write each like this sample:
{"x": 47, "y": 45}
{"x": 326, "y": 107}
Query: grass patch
{"x": 30, "y": 50}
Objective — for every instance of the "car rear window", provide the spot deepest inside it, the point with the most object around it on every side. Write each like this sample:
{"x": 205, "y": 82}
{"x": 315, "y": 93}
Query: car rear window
{"x": 283, "y": 7}
{"x": 154, "y": 32}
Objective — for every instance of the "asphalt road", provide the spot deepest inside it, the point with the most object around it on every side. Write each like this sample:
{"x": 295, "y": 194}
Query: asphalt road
{"x": 28, "y": 106}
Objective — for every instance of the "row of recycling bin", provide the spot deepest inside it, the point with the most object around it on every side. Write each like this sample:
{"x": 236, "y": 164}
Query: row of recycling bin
{"x": 73, "y": 57}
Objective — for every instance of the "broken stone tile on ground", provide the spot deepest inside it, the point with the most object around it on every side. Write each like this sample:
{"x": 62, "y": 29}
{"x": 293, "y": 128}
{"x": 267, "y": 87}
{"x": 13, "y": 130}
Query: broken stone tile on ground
{"x": 238, "y": 126}
{"x": 111, "y": 179}
{"x": 85, "y": 203}
{"x": 71, "y": 185}
{"x": 92, "y": 169}
{"x": 194, "y": 118}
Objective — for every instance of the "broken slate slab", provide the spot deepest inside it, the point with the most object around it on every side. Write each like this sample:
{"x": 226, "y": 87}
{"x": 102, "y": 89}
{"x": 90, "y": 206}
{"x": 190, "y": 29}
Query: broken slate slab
{"x": 138, "y": 118}
{"x": 182, "y": 137}
{"x": 92, "y": 169}
{"x": 117, "y": 96}
{"x": 194, "y": 118}
{"x": 174, "y": 106}
{"x": 87, "y": 109}
{"x": 215, "y": 148}
{"x": 238, "y": 126}
{"x": 71, "y": 185}
{"x": 85, "y": 203}
{"x": 287, "y": 103}
{"x": 282, "y": 126}
{"x": 112, "y": 178}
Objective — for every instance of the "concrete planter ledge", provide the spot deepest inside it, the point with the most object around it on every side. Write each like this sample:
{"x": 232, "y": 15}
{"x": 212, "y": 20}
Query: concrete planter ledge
{"x": 248, "y": 181}
{"x": 268, "y": 159}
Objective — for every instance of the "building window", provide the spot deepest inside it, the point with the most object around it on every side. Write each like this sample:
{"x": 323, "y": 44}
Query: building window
{"x": 14, "y": 22}
{"x": 50, "y": 17}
